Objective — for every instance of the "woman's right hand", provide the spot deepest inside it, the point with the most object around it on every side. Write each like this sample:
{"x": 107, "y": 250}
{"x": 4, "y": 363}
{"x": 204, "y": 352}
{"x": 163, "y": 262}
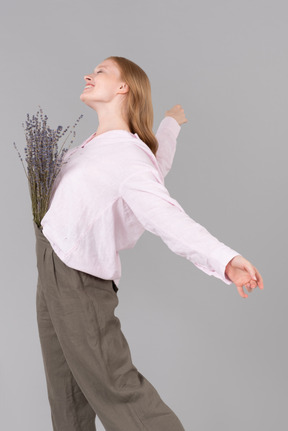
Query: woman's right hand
{"x": 242, "y": 273}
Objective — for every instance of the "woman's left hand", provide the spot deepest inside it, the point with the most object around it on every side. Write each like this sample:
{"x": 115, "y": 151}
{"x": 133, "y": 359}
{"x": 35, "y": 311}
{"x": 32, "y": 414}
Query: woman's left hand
{"x": 243, "y": 274}
{"x": 177, "y": 112}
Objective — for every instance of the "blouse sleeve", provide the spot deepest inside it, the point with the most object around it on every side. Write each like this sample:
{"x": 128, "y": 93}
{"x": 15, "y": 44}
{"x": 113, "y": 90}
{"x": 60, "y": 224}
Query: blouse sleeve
{"x": 150, "y": 201}
{"x": 166, "y": 136}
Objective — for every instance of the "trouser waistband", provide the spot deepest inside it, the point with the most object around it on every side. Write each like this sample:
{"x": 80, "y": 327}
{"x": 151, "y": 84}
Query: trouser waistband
{"x": 39, "y": 234}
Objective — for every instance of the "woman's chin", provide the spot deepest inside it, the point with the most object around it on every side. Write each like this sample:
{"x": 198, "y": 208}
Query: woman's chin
{"x": 86, "y": 101}
{"x": 83, "y": 97}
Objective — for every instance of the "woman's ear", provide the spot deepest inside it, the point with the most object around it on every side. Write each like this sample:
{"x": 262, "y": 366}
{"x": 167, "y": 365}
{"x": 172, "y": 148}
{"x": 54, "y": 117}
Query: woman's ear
{"x": 124, "y": 87}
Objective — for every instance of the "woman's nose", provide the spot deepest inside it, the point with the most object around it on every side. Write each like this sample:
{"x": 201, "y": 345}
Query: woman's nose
{"x": 87, "y": 78}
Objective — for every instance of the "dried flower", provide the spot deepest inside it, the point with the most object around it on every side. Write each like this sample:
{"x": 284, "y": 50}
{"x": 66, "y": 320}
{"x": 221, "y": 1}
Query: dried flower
{"x": 44, "y": 160}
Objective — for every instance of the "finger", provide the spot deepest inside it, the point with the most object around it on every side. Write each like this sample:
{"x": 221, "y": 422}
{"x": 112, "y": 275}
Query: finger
{"x": 251, "y": 269}
{"x": 241, "y": 292}
{"x": 248, "y": 288}
{"x": 259, "y": 279}
{"x": 252, "y": 284}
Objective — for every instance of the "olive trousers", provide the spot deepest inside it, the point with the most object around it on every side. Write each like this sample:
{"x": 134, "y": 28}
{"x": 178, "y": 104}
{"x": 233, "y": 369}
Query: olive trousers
{"x": 87, "y": 360}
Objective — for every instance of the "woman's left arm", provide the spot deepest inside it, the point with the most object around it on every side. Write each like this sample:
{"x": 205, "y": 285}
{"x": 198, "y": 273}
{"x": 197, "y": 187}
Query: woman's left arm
{"x": 166, "y": 136}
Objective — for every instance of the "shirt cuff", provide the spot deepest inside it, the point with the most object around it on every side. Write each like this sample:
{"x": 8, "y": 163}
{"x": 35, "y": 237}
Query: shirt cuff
{"x": 220, "y": 260}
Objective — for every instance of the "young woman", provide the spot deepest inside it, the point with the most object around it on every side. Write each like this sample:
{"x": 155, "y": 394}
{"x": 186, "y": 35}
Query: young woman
{"x": 110, "y": 190}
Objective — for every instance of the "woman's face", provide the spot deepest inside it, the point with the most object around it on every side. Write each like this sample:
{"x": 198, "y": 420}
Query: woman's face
{"x": 103, "y": 84}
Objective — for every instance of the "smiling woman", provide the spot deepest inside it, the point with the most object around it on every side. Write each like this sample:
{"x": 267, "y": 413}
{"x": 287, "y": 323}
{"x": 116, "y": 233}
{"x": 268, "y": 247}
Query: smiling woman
{"x": 108, "y": 193}
{"x": 104, "y": 86}
{"x": 121, "y": 83}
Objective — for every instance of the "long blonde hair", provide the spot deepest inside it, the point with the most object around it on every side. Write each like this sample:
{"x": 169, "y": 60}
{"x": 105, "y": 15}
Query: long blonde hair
{"x": 139, "y": 108}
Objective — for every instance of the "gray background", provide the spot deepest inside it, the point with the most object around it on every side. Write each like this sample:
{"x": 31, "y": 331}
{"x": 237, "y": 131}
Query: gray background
{"x": 219, "y": 361}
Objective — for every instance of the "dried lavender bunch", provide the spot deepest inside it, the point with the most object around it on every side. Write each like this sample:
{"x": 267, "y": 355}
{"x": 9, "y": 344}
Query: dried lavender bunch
{"x": 44, "y": 160}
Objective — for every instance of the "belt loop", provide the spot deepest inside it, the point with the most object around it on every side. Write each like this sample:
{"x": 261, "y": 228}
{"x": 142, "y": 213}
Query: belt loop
{"x": 114, "y": 286}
